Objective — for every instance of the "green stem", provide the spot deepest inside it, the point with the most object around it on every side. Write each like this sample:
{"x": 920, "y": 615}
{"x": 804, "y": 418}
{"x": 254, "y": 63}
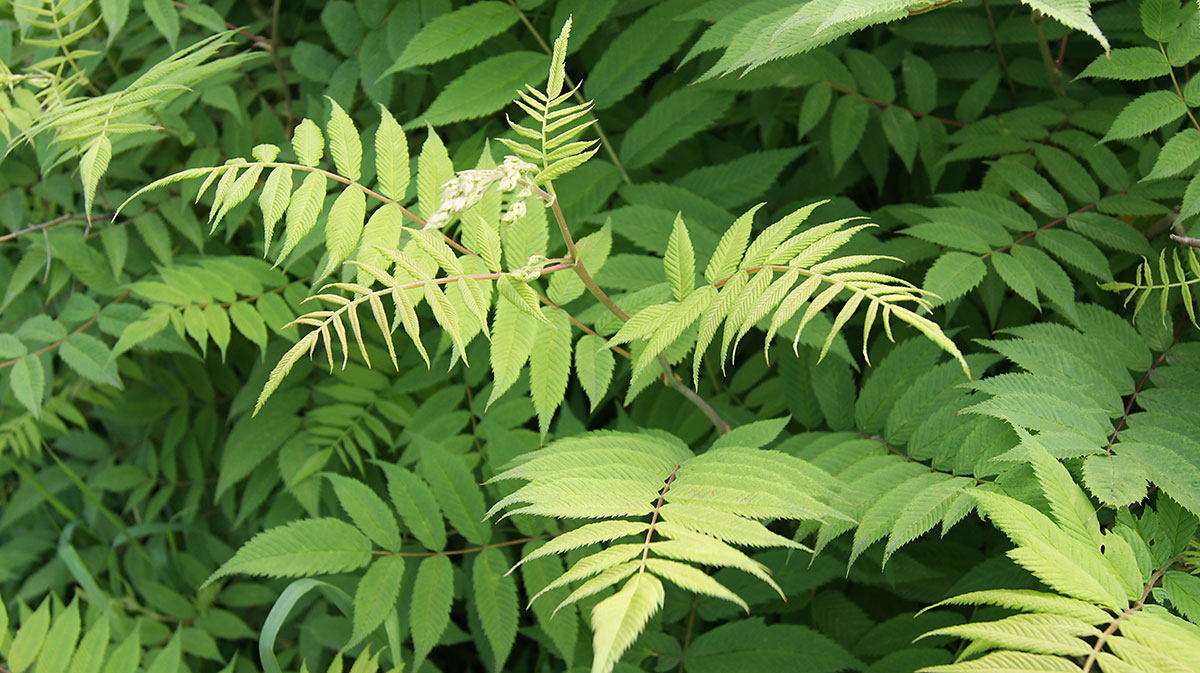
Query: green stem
{"x": 1052, "y": 71}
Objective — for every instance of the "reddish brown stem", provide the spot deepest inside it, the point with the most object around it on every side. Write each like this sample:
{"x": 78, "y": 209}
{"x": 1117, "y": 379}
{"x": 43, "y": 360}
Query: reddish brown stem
{"x": 1142, "y": 382}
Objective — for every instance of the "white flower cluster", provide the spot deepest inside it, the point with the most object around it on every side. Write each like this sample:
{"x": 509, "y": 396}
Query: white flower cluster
{"x": 468, "y": 188}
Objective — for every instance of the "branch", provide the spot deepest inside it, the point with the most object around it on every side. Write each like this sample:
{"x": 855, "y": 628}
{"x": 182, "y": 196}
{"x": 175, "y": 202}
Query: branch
{"x": 1142, "y": 382}
{"x": 947, "y": 122}
{"x": 46, "y": 349}
{"x": 274, "y": 50}
{"x": 669, "y": 375}
{"x": 1112, "y": 628}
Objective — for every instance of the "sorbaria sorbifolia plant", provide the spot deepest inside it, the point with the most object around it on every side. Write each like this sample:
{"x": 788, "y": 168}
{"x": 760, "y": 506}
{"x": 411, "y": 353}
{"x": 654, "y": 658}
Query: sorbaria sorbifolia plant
{"x": 526, "y": 333}
{"x": 477, "y": 256}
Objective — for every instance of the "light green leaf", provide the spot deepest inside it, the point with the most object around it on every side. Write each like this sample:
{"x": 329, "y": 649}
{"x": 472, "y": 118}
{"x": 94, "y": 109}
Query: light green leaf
{"x": 679, "y": 262}
{"x": 1075, "y": 14}
{"x": 391, "y": 156}
{"x": 28, "y": 641}
{"x": 343, "y": 227}
{"x": 550, "y": 365}
{"x": 434, "y": 169}
{"x": 619, "y": 619}
{"x": 344, "y": 145}
{"x": 308, "y": 143}
{"x": 594, "y": 364}
{"x": 92, "y": 166}
{"x": 302, "y": 212}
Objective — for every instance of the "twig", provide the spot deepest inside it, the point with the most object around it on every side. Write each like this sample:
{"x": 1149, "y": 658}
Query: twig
{"x": 654, "y": 516}
{"x": 258, "y": 40}
{"x": 49, "y": 223}
{"x": 687, "y": 636}
{"x": 669, "y": 375}
{"x": 1112, "y": 628}
{"x": 458, "y": 552}
{"x": 1012, "y": 87}
{"x": 1044, "y": 227}
{"x": 45, "y": 349}
{"x": 274, "y": 49}
{"x": 1142, "y": 382}
{"x": 1186, "y": 240}
{"x": 1178, "y": 91}
{"x": 947, "y": 122}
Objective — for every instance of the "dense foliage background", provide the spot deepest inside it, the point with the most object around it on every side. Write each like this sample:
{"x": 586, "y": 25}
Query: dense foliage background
{"x": 1030, "y": 163}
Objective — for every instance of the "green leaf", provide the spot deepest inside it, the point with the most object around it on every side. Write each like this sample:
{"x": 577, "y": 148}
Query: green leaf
{"x": 1146, "y": 113}
{"x": 1068, "y": 173}
{"x": 28, "y": 383}
{"x": 495, "y": 596}
{"x": 954, "y": 274}
{"x": 391, "y": 157}
{"x": 846, "y": 129}
{"x": 455, "y": 32}
{"x": 670, "y": 121}
{"x": 165, "y": 18}
{"x": 1032, "y": 187}
{"x": 249, "y": 323}
{"x": 1077, "y": 251}
{"x": 89, "y": 656}
{"x": 308, "y": 143}
{"x": 344, "y": 145}
{"x": 216, "y": 322}
{"x": 1180, "y": 152}
{"x": 344, "y": 227}
{"x": 751, "y": 644}
{"x": 485, "y": 87}
{"x": 417, "y": 506}
{"x": 90, "y": 358}
{"x": 375, "y": 597}
{"x": 920, "y": 83}
{"x": 900, "y": 129}
{"x": 456, "y": 491}
{"x": 299, "y": 548}
{"x": 1160, "y": 18}
{"x": 1129, "y": 64}
{"x": 1016, "y": 277}
{"x": 367, "y": 510}
{"x": 550, "y": 365}
{"x": 594, "y": 364}
{"x": 635, "y": 53}
{"x": 433, "y": 593}
{"x": 679, "y": 262}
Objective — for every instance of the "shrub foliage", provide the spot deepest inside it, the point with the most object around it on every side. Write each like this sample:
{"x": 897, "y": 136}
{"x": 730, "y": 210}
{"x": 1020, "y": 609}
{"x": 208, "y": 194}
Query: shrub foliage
{"x": 404, "y": 335}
